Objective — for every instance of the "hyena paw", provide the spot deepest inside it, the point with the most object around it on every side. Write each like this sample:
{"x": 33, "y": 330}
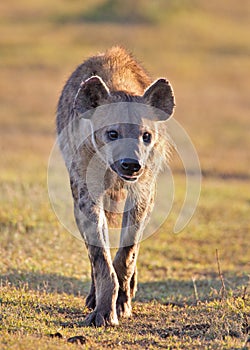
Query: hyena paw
{"x": 91, "y": 301}
{"x": 123, "y": 305}
{"x": 100, "y": 318}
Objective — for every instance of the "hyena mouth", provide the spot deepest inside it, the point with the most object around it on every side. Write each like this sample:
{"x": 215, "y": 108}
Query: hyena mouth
{"x": 128, "y": 178}
{"x": 128, "y": 169}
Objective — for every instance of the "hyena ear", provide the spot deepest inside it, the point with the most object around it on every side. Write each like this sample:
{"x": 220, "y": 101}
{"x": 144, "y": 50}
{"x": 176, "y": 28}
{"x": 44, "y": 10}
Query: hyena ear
{"x": 92, "y": 93}
{"x": 160, "y": 95}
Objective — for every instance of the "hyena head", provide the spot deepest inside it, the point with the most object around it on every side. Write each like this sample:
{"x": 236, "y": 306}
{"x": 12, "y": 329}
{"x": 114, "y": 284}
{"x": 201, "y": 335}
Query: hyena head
{"x": 127, "y": 130}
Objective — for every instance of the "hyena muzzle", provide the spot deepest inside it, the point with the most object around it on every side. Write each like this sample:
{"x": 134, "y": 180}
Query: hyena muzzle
{"x": 111, "y": 124}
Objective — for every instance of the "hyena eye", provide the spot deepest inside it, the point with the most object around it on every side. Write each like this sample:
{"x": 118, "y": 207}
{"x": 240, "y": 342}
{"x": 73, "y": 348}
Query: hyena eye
{"x": 113, "y": 135}
{"x": 146, "y": 137}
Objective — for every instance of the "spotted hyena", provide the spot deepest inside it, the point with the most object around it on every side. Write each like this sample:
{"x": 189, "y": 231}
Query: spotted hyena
{"x": 111, "y": 124}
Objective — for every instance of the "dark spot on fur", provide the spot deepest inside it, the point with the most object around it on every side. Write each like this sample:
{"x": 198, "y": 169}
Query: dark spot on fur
{"x": 82, "y": 192}
{"x": 81, "y": 204}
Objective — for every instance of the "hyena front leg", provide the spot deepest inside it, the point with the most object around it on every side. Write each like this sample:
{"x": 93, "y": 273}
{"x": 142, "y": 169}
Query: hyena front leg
{"x": 92, "y": 224}
{"x": 134, "y": 222}
{"x": 106, "y": 288}
{"x": 125, "y": 266}
{"x": 125, "y": 262}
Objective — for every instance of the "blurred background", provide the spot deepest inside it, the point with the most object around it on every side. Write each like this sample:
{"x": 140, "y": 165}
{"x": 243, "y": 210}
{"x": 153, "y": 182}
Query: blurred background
{"x": 202, "y": 47}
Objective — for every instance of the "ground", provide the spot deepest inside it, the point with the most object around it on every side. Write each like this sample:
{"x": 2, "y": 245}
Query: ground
{"x": 193, "y": 286}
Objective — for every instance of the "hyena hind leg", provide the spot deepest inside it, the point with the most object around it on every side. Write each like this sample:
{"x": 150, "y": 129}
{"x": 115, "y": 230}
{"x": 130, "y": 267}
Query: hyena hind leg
{"x": 133, "y": 283}
{"x": 91, "y": 298}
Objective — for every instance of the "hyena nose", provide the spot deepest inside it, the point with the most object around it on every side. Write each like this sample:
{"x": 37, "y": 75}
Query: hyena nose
{"x": 130, "y": 165}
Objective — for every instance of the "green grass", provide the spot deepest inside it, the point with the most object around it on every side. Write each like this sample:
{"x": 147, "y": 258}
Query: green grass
{"x": 203, "y": 48}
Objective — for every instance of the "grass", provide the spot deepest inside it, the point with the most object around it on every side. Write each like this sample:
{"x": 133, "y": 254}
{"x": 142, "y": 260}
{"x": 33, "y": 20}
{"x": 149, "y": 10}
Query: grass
{"x": 203, "y": 49}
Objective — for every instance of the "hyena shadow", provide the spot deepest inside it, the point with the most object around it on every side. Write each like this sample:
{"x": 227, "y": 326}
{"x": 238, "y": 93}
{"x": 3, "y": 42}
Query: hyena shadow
{"x": 164, "y": 291}
{"x": 169, "y": 292}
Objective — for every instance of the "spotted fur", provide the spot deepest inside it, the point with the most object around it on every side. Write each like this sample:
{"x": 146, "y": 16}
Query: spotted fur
{"x": 94, "y": 101}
